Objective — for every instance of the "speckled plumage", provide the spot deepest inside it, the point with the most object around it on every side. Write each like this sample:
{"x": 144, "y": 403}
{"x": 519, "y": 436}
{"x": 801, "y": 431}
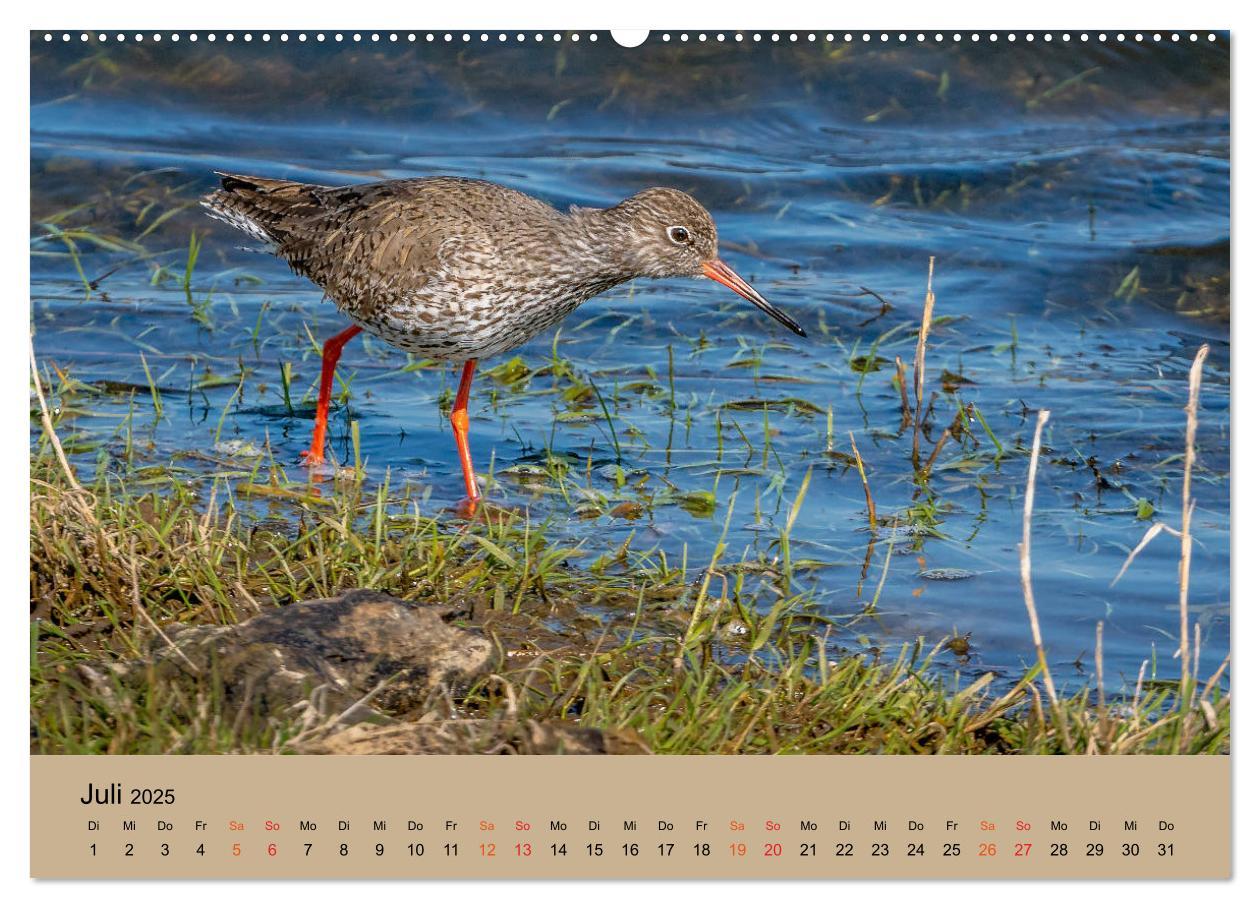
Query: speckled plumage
{"x": 459, "y": 269}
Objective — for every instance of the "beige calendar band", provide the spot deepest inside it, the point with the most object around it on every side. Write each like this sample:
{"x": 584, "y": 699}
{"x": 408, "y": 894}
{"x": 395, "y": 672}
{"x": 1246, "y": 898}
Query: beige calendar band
{"x": 630, "y": 816}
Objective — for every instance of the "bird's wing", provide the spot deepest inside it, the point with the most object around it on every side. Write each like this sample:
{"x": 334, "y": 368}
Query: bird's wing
{"x": 367, "y": 244}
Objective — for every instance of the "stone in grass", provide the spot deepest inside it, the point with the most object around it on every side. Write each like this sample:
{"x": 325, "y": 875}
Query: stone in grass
{"x": 314, "y": 661}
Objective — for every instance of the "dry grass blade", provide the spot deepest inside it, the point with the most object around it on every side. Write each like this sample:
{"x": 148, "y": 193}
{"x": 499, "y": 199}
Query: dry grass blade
{"x": 866, "y": 487}
{"x": 1103, "y": 724}
{"x": 1025, "y": 576}
{"x": 1151, "y": 533}
{"x": 920, "y": 360}
{"x": 1137, "y": 689}
{"x": 936, "y": 452}
{"x": 1216, "y": 676}
{"x": 1183, "y": 577}
{"x": 46, "y": 420}
{"x": 907, "y": 415}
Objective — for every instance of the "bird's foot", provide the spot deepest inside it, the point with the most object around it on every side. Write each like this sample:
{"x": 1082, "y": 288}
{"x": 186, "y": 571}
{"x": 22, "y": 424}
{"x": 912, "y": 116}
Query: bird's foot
{"x": 312, "y": 458}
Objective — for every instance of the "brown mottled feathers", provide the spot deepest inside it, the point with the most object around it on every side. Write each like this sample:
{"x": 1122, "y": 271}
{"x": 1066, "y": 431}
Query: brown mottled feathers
{"x": 452, "y": 268}
{"x": 365, "y": 243}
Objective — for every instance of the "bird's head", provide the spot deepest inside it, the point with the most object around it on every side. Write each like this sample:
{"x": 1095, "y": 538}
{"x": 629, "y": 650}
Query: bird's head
{"x": 670, "y": 234}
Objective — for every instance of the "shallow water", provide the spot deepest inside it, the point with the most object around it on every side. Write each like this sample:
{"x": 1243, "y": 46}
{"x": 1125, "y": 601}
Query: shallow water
{"x": 1075, "y": 197}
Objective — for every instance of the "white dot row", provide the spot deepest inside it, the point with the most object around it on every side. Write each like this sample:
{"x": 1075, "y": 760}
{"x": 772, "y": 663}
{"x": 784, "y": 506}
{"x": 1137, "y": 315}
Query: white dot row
{"x": 521, "y": 37}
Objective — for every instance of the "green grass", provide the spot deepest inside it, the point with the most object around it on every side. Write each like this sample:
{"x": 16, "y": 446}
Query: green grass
{"x": 737, "y": 662}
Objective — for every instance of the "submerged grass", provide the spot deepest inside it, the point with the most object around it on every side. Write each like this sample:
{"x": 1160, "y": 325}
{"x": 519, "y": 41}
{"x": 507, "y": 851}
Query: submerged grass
{"x": 721, "y": 660}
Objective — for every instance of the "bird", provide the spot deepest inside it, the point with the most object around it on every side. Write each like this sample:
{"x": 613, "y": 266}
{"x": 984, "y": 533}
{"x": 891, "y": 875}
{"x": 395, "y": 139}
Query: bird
{"x": 460, "y": 270}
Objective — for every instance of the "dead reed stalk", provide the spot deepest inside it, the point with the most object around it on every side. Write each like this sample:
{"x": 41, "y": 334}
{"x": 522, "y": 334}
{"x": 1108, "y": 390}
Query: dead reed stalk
{"x": 920, "y": 360}
{"x": 936, "y": 452}
{"x": 907, "y": 415}
{"x": 1103, "y": 725}
{"x": 1025, "y": 576}
{"x": 866, "y": 487}
{"x": 46, "y": 420}
{"x": 1183, "y": 577}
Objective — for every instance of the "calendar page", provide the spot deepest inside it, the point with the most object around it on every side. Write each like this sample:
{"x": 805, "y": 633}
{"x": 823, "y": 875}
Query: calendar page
{"x": 583, "y": 454}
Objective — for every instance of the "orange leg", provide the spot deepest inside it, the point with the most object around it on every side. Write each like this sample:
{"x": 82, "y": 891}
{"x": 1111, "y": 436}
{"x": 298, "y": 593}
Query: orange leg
{"x": 332, "y": 353}
{"x": 459, "y": 422}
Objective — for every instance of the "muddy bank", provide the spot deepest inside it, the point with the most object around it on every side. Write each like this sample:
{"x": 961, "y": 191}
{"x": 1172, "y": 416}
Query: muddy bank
{"x": 363, "y": 672}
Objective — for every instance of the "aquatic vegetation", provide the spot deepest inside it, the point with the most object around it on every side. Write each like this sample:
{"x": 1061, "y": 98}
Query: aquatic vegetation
{"x": 631, "y": 644}
{"x": 714, "y": 665}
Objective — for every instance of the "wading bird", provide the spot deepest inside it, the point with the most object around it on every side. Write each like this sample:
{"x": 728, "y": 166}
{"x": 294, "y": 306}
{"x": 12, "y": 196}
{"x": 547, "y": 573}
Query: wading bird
{"x": 460, "y": 270}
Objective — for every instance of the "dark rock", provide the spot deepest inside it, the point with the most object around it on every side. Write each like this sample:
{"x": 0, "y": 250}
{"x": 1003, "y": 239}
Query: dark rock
{"x": 318, "y": 658}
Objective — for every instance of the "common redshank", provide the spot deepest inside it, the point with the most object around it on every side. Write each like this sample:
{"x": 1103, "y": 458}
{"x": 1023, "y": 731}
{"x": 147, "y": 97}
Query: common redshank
{"x": 459, "y": 270}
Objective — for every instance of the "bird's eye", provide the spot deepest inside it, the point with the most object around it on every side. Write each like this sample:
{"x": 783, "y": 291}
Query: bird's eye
{"x": 679, "y": 235}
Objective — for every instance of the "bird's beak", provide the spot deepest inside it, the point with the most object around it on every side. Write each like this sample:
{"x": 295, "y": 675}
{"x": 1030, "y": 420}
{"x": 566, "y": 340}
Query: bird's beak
{"x": 718, "y": 270}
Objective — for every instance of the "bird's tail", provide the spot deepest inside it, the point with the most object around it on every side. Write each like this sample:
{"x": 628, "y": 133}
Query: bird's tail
{"x": 265, "y": 209}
